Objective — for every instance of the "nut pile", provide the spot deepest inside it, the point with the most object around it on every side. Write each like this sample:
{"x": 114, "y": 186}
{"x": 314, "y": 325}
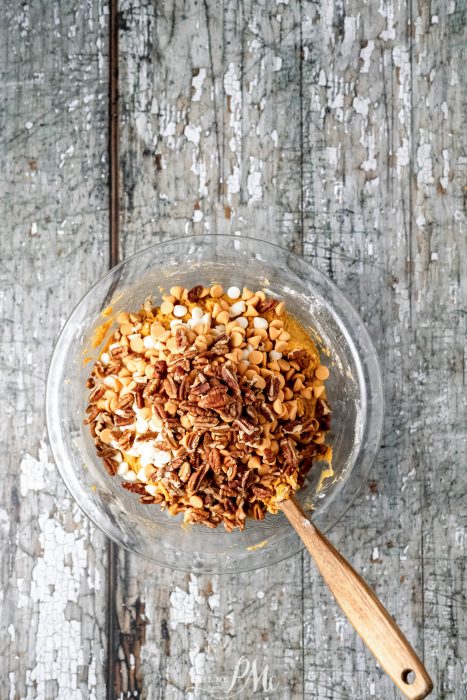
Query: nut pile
{"x": 212, "y": 404}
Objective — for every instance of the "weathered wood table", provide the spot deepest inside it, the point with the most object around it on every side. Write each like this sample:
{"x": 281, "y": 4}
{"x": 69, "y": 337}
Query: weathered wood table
{"x": 335, "y": 129}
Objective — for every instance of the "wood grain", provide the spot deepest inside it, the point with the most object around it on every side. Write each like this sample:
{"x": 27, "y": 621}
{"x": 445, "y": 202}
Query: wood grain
{"x": 53, "y": 195}
{"x": 362, "y": 608}
{"x": 335, "y": 129}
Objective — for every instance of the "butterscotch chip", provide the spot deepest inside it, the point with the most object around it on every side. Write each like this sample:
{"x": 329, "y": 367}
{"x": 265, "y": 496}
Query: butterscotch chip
{"x": 106, "y": 436}
{"x": 298, "y": 384}
{"x": 306, "y": 393}
{"x": 274, "y": 332}
{"x": 254, "y": 341}
{"x": 280, "y": 308}
{"x": 255, "y": 357}
{"x": 157, "y": 329}
{"x": 254, "y": 462}
{"x": 250, "y": 310}
{"x": 259, "y": 381}
{"x": 123, "y": 317}
{"x": 247, "y": 294}
{"x": 126, "y": 329}
{"x": 167, "y": 307}
{"x": 322, "y": 373}
{"x": 137, "y": 345}
{"x": 223, "y": 318}
{"x": 236, "y": 339}
{"x": 317, "y": 391}
{"x": 196, "y": 502}
{"x": 172, "y": 344}
{"x": 277, "y": 406}
{"x": 171, "y": 407}
{"x": 177, "y": 292}
{"x": 216, "y": 291}
{"x": 281, "y": 346}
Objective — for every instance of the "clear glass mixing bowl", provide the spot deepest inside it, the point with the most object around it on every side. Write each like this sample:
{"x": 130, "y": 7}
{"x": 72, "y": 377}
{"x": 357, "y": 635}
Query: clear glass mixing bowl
{"x": 354, "y": 390}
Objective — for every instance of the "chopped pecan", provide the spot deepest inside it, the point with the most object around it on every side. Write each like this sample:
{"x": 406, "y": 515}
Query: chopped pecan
{"x": 300, "y": 356}
{"x": 197, "y": 478}
{"x": 170, "y": 387}
{"x": 267, "y": 305}
{"x": 152, "y": 386}
{"x": 230, "y": 379}
{"x": 273, "y": 386}
{"x": 289, "y": 455}
{"x": 215, "y": 460}
{"x": 195, "y": 293}
{"x": 245, "y": 426}
{"x": 134, "y": 488}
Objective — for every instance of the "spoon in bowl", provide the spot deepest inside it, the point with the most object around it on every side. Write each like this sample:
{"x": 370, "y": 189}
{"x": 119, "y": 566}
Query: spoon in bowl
{"x": 362, "y": 607}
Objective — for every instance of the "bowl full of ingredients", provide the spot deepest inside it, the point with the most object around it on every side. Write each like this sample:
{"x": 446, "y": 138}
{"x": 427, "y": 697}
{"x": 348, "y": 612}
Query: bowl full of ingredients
{"x": 200, "y": 383}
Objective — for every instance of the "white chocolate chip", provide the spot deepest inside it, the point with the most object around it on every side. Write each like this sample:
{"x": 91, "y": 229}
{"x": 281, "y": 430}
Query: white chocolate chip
{"x": 122, "y": 469}
{"x": 151, "y": 489}
{"x": 130, "y": 476}
{"x": 179, "y": 310}
{"x": 233, "y": 292}
{"x": 161, "y": 458}
{"x": 242, "y": 322}
{"x": 274, "y": 355}
{"x": 237, "y": 308}
{"x": 105, "y": 359}
{"x": 141, "y": 476}
{"x": 176, "y": 322}
{"x": 148, "y": 341}
{"x": 205, "y": 320}
{"x": 259, "y": 322}
{"x": 141, "y": 426}
{"x": 220, "y": 328}
{"x": 196, "y": 313}
{"x": 245, "y": 353}
{"x": 118, "y": 457}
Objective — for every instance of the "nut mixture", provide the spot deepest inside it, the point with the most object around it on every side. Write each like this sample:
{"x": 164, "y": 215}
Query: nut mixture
{"x": 211, "y": 404}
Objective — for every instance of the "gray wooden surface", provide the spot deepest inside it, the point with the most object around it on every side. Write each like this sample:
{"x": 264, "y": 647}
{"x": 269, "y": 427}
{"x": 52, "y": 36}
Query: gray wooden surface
{"x": 335, "y": 129}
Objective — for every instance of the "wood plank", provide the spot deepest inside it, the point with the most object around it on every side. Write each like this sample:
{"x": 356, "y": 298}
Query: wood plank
{"x": 358, "y": 231}
{"x": 53, "y": 246}
{"x": 438, "y": 302}
{"x": 377, "y": 122}
{"x": 226, "y": 76}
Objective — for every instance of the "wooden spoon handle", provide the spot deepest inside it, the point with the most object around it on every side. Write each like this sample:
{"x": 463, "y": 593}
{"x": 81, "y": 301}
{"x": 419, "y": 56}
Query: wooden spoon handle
{"x": 363, "y": 609}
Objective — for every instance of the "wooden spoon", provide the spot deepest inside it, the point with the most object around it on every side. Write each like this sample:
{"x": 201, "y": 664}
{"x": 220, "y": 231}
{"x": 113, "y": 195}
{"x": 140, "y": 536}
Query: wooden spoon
{"x": 362, "y": 608}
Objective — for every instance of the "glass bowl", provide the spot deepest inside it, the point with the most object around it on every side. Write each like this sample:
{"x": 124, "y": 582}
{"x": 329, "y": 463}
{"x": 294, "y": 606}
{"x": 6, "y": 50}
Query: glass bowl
{"x": 354, "y": 390}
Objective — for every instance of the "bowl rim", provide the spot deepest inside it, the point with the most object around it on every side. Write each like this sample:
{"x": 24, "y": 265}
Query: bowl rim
{"x": 372, "y": 357}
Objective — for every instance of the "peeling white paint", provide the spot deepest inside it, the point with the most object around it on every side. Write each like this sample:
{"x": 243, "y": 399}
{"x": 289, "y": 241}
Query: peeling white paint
{"x": 365, "y": 55}
{"x": 444, "y": 180}
{"x": 425, "y": 165}
{"x": 370, "y": 163}
{"x": 192, "y": 133}
{"x": 277, "y": 64}
{"x": 197, "y": 83}
{"x": 360, "y": 105}
{"x": 56, "y": 581}
{"x": 33, "y": 471}
{"x": 183, "y": 604}
{"x": 254, "y": 186}
{"x": 387, "y": 10}
{"x": 402, "y": 154}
